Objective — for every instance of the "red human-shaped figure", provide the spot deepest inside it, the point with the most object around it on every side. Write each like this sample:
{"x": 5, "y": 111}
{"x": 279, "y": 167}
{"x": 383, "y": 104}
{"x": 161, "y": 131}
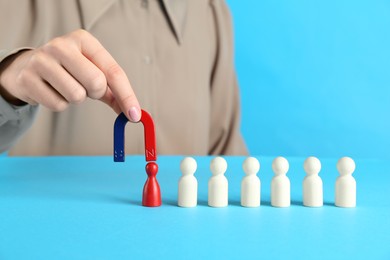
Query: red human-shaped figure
{"x": 151, "y": 195}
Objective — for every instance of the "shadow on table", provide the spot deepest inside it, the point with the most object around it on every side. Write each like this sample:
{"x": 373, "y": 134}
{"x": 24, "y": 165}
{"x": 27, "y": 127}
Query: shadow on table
{"x": 96, "y": 197}
{"x": 203, "y": 203}
{"x": 327, "y": 203}
{"x": 266, "y": 203}
{"x": 169, "y": 202}
{"x": 121, "y": 200}
{"x": 85, "y": 187}
{"x": 234, "y": 203}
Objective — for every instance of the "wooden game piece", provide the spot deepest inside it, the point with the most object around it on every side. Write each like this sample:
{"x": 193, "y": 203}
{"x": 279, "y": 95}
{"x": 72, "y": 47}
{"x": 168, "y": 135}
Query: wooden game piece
{"x": 280, "y": 185}
{"x": 151, "y": 195}
{"x": 312, "y": 183}
{"x": 218, "y": 183}
{"x": 250, "y": 184}
{"x": 345, "y": 190}
{"x": 188, "y": 185}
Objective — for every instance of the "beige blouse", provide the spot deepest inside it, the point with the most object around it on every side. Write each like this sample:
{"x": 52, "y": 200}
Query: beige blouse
{"x": 178, "y": 55}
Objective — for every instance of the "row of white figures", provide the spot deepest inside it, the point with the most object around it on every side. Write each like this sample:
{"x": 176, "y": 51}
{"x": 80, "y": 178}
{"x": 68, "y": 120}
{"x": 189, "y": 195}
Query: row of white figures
{"x": 345, "y": 189}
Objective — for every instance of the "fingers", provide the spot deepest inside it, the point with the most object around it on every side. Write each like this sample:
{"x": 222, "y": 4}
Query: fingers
{"x": 75, "y": 63}
{"x": 92, "y": 79}
{"x": 40, "y": 92}
{"x": 68, "y": 69}
{"x": 116, "y": 78}
{"x": 110, "y": 100}
{"x": 58, "y": 78}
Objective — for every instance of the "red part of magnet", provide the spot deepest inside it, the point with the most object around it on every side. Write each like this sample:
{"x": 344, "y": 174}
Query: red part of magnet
{"x": 151, "y": 195}
{"x": 149, "y": 136}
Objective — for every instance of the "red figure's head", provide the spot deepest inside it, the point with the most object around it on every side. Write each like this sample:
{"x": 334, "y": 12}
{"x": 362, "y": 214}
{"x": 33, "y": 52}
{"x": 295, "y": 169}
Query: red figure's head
{"x": 151, "y": 169}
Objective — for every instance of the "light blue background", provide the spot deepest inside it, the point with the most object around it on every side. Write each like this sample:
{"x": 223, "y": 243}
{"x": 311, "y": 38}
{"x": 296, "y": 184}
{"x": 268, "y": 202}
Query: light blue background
{"x": 314, "y": 76}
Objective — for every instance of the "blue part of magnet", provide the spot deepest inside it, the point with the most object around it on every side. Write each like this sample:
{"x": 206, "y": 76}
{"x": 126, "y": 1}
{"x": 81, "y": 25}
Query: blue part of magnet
{"x": 119, "y": 138}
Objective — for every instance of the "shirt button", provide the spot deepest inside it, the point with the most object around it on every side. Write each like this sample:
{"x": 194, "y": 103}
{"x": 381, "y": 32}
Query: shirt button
{"x": 147, "y": 59}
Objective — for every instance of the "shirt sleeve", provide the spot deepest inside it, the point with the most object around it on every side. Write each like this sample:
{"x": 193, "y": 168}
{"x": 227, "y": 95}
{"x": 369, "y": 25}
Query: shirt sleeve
{"x": 14, "y": 120}
{"x": 225, "y": 131}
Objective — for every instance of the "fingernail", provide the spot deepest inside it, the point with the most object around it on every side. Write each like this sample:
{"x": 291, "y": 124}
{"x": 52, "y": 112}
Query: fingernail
{"x": 134, "y": 114}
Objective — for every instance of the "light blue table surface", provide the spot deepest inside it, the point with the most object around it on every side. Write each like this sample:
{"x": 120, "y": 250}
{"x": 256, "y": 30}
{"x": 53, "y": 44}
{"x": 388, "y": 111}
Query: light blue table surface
{"x": 89, "y": 208}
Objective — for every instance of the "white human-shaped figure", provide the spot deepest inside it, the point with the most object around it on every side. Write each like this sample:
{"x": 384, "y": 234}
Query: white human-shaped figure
{"x": 345, "y": 190}
{"x": 188, "y": 185}
{"x": 250, "y": 184}
{"x": 218, "y": 184}
{"x": 280, "y": 185}
{"x": 312, "y": 183}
